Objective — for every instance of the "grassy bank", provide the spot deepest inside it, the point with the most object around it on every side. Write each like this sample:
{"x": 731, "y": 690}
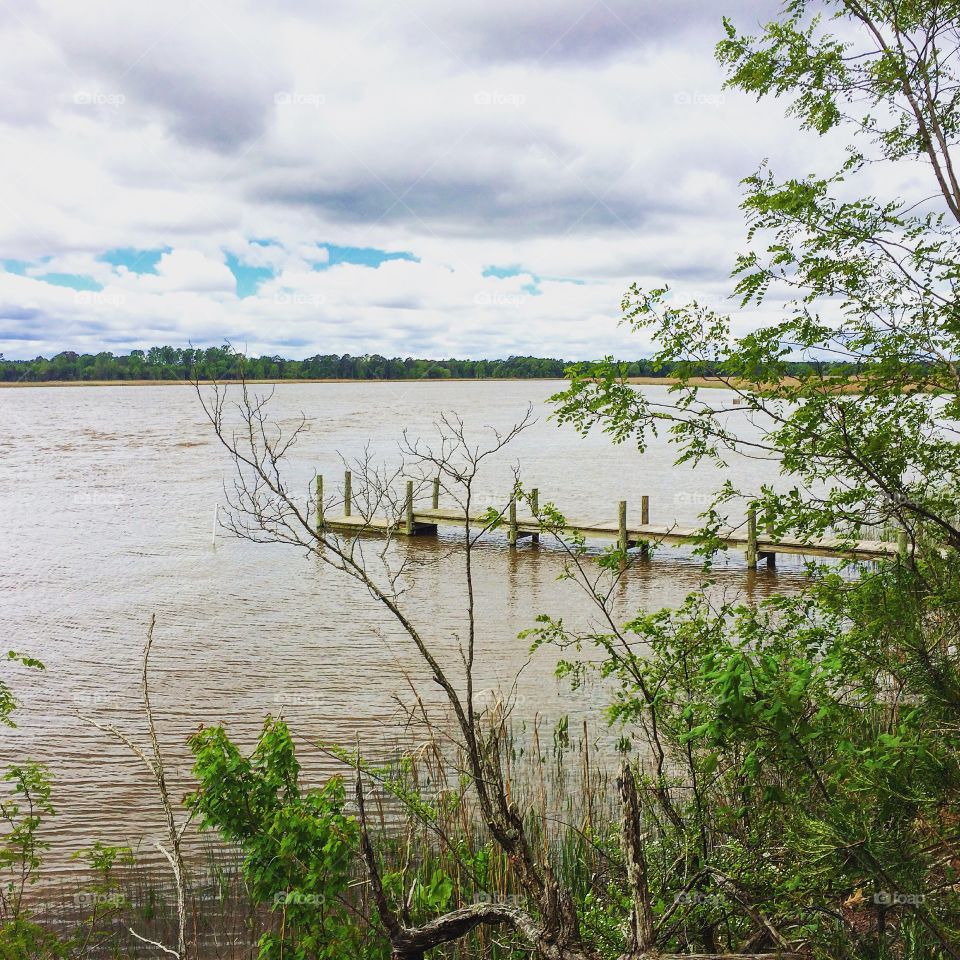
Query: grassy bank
{"x": 433, "y": 847}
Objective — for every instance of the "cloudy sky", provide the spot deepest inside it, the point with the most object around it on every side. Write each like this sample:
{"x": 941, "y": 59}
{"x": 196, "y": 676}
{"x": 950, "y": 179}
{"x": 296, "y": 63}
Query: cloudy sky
{"x": 408, "y": 178}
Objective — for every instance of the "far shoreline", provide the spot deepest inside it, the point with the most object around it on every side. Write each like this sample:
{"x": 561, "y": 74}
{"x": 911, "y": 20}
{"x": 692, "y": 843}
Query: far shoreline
{"x": 640, "y": 381}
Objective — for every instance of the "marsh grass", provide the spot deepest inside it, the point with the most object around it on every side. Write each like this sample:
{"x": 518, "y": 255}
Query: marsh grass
{"x": 435, "y": 853}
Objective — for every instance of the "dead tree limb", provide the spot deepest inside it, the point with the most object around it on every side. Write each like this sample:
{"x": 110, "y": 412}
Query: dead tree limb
{"x": 154, "y": 764}
{"x": 641, "y": 921}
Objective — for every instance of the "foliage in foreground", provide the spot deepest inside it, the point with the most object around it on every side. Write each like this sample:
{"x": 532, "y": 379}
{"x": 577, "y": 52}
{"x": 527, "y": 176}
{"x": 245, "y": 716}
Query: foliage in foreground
{"x": 804, "y": 761}
{"x": 808, "y": 747}
{"x": 801, "y": 772}
{"x": 298, "y": 846}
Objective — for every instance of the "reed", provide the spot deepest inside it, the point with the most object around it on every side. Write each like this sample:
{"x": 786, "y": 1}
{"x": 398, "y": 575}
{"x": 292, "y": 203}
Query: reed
{"x": 431, "y": 839}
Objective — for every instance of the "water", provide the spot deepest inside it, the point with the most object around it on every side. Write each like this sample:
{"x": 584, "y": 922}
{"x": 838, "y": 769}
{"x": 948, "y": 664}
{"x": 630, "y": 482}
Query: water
{"x": 107, "y": 498}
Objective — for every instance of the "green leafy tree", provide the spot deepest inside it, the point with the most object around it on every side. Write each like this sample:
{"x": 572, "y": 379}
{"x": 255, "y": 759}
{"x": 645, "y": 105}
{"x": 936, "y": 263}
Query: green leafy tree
{"x": 805, "y": 768}
{"x": 8, "y": 702}
{"x": 868, "y": 421}
{"x": 298, "y": 845}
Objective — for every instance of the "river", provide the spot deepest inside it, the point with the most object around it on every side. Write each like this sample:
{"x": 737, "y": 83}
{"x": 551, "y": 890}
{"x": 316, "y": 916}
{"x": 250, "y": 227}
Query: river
{"x": 107, "y": 496}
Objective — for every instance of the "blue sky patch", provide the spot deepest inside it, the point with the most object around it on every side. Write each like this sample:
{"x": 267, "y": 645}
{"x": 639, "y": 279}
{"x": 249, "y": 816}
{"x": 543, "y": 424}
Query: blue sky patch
{"x": 515, "y": 270}
{"x": 18, "y": 267}
{"x": 136, "y": 261}
{"x": 501, "y": 273}
{"x": 248, "y": 278}
{"x": 75, "y": 281}
{"x": 361, "y": 256}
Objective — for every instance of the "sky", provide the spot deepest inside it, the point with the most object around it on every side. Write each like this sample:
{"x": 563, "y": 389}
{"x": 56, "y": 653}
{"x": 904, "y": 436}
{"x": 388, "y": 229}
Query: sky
{"x": 405, "y": 178}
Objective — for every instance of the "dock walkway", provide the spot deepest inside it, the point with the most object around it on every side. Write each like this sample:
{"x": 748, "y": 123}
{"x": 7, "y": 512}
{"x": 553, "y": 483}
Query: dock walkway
{"x": 419, "y": 521}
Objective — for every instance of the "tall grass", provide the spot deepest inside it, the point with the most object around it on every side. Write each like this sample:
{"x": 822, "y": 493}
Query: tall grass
{"x": 435, "y": 850}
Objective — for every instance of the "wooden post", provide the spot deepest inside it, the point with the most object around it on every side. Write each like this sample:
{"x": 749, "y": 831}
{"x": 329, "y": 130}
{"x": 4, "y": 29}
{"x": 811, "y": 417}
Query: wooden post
{"x": 436, "y": 493}
{"x": 752, "y": 538}
{"x": 644, "y": 521}
{"x": 408, "y": 528}
{"x": 535, "y": 507}
{"x": 319, "y": 502}
{"x": 512, "y": 529}
{"x": 903, "y": 543}
{"x": 622, "y": 543}
{"x": 347, "y": 493}
{"x": 770, "y": 520}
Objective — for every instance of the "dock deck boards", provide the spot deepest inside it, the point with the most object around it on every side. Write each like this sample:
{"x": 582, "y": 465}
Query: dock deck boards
{"x": 427, "y": 520}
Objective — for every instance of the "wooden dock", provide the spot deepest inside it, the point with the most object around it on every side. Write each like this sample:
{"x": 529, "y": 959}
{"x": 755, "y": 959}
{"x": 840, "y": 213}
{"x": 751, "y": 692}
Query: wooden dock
{"x": 419, "y": 521}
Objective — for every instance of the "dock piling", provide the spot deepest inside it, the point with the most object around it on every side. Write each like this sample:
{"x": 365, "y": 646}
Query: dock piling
{"x": 436, "y": 493}
{"x": 347, "y": 493}
{"x": 903, "y": 543}
{"x": 512, "y": 529}
{"x": 645, "y": 522}
{"x": 752, "y": 538}
{"x": 319, "y": 502}
{"x": 408, "y": 524}
{"x": 623, "y": 543}
{"x": 535, "y": 509}
{"x": 770, "y": 520}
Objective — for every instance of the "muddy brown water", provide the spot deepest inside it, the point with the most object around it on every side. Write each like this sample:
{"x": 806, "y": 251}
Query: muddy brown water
{"x": 106, "y": 503}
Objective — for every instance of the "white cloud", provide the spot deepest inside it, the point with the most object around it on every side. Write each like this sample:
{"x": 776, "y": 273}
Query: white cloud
{"x": 589, "y": 143}
{"x": 182, "y": 271}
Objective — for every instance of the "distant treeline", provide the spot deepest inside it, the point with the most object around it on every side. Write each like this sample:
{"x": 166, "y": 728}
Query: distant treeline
{"x": 174, "y": 363}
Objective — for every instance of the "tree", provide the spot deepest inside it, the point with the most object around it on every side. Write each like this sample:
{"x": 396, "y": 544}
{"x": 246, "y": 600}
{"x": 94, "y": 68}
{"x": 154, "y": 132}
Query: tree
{"x": 815, "y": 731}
{"x": 546, "y": 918}
{"x": 264, "y": 509}
{"x": 873, "y": 429}
{"x": 800, "y": 771}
